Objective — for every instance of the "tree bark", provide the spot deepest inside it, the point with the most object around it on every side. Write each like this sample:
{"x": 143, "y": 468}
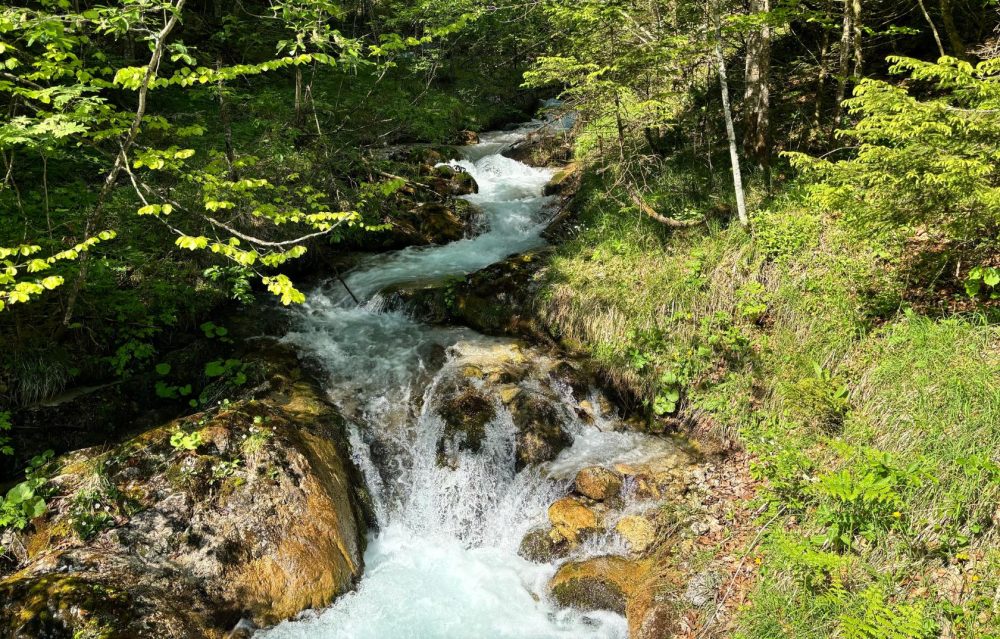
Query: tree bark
{"x": 948, "y": 17}
{"x": 757, "y": 97}
{"x": 227, "y": 124}
{"x": 824, "y": 71}
{"x": 850, "y": 39}
{"x": 662, "y": 219}
{"x": 298, "y": 93}
{"x": 734, "y": 157}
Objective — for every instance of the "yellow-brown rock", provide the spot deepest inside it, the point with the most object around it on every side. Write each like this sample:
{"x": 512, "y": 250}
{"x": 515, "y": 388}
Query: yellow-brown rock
{"x": 598, "y": 483}
{"x": 602, "y": 583}
{"x": 572, "y": 520}
{"x": 263, "y": 518}
{"x": 637, "y": 531}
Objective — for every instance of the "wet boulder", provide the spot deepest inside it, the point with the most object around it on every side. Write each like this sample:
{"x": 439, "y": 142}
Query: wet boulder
{"x": 447, "y": 180}
{"x": 429, "y": 223}
{"x": 540, "y": 432}
{"x": 543, "y": 545}
{"x": 465, "y": 411}
{"x": 496, "y": 300}
{"x": 542, "y": 148}
{"x": 467, "y": 137}
{"x": 572, "y": 520}
{"x": 250, "y": 510}
{"x": 602, "y": 583}
{"x": 597, "y": 483}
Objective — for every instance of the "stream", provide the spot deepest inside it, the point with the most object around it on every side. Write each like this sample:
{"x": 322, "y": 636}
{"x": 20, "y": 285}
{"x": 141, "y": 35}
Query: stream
{"x": 444, "y": 560}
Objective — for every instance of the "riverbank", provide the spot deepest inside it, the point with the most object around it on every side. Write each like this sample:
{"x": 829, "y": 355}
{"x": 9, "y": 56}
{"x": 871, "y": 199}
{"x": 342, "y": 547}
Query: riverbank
{"x": 866, "y": 406}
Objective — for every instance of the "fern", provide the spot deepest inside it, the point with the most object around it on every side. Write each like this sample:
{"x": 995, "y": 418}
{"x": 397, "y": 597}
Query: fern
{"x": 881, "y": 619}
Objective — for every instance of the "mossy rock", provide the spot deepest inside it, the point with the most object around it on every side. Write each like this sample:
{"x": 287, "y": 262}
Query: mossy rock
{"x": 540, "y": 433}
{"x": 262, "y": 532}
{"x": 602, "y": 583}
{"x": 465, "y": 412}
{"x": 97, "y": 605}
{"x": 541, "y": 545}
{"x": 564, "y": 181}
{"x": 446, "y": 181}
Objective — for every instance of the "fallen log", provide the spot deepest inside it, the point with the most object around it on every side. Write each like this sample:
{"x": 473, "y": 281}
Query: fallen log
{"x": 666, "y": 221}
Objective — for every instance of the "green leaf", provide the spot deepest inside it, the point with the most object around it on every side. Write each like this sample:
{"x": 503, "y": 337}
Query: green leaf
{"x": 21, "y": 493}
{"x": 35, "y": 508}
{"x": 192, "y": 243}
{"x": 991, "y": 277}
{"x": 162, "y": 368}
{"x": 215, "y": 368}
{"x": 52, "y": 282}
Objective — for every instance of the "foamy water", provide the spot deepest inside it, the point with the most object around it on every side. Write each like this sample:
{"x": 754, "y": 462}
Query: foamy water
{"x": 443, "y": 563}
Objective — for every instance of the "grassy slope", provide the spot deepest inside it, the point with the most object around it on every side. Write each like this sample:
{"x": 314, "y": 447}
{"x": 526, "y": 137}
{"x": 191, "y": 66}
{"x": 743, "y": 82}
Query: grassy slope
{"x": 874, "y": 428}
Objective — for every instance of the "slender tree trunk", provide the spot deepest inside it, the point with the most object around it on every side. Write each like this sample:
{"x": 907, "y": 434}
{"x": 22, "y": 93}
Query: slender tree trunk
{"x": 849, "y": 38}
{"x": 948, "y": 17}
{"x": 734, "y": 157}
{"x": 856, "y": 37}
{"x": 621, "y": 126}
{"x": 227, "y": 124}
{"x": 824, "y": 71}
{"x": 757, "y": 97}
{"x": 298, "y": 93}
{"x": 45, "y": 192}
{"x": 934, "y": 31}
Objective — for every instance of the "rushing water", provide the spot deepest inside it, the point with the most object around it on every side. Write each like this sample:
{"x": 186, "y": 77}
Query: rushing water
{"x": 444, "y": 563}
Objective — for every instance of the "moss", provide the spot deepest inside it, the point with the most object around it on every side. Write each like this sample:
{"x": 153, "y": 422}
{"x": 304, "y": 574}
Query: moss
{"x": 466, "y": 414}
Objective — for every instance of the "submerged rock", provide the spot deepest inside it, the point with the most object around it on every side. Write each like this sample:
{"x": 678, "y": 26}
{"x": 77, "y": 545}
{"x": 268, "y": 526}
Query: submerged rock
{"x": 252, "y": 510}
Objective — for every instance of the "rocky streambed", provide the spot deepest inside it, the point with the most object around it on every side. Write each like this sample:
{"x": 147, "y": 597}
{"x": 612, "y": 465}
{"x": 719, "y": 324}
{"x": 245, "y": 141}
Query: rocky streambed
{"x": 395, "y": 473}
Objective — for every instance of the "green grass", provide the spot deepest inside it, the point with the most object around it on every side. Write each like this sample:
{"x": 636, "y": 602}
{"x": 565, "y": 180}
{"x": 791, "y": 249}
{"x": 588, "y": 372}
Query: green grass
{"x": 875, "y": 430}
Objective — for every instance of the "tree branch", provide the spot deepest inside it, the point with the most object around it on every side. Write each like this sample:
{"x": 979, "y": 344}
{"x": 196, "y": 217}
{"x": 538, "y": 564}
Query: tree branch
{"x": 667, "y": 221}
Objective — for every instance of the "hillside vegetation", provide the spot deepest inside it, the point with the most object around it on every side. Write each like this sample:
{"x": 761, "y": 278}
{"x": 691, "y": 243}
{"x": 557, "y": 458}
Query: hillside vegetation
{"x": 784, "y": 237}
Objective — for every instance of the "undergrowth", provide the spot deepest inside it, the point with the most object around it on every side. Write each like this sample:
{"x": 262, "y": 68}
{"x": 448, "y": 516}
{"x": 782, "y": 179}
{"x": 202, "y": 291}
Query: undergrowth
{"x": 872, "y": 422}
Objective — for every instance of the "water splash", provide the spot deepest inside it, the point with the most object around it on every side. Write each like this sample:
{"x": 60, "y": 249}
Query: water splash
{"x": 444, "y": 563}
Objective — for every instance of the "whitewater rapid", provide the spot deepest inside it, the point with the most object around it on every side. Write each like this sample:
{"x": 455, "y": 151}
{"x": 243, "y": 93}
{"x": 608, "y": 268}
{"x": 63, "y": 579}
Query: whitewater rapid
{"x": 443, "y": 563}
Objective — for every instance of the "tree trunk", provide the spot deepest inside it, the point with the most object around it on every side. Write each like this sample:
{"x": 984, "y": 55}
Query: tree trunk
{"x": 849, "y": 38}
{"x": 620, "y": 125}
{"x": 757, "y": 97}
{"x": 856, "y": 36}
{"x": 298, "y": 94}
{"x": 948, "y": 17}
{"x": 227, "y": 124}
{"x": 824, "y": 71}
{"x": 734, "y": 157}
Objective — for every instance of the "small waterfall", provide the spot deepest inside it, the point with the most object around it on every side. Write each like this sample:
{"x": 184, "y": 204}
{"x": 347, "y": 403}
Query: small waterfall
{"x": 443, "y": 563}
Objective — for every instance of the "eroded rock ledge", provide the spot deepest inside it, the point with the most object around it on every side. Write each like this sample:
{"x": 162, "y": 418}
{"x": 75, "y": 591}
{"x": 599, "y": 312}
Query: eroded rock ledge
{"x": 251, "y": 510}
